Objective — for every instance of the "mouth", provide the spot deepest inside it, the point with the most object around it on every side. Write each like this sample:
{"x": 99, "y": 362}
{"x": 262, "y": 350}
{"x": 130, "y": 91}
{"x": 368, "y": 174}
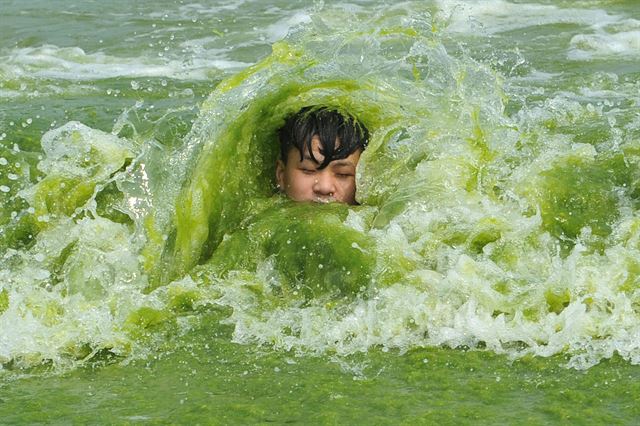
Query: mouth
{"x": 325, "y": 200}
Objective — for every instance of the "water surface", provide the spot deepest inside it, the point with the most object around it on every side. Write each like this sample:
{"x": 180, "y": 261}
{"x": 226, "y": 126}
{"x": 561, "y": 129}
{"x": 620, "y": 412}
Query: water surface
{"x": 490, "y": 272}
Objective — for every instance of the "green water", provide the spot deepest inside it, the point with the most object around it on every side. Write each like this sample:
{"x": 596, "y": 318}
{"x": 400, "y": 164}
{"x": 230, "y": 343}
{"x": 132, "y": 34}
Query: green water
{"x": 149, "y": 272}
{"x": 218, "y": 382}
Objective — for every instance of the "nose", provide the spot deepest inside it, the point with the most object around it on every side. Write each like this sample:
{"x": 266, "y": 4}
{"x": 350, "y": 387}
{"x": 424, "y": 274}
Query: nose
{"x": 324, "y": 184}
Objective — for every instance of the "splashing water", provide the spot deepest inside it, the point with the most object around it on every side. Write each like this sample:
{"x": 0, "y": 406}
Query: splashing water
{"x": 485, "y": 221}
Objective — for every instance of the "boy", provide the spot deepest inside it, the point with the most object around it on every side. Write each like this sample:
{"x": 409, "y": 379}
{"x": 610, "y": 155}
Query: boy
{"x": 319, "y": 152}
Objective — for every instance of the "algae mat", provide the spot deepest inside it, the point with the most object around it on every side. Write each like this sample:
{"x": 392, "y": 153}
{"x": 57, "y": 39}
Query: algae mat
{"x": 489, "y": 274}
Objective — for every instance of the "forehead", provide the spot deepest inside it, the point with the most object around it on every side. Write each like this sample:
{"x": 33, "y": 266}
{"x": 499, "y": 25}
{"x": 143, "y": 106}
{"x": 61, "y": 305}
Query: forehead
{"x": 293, "y": 158}
{"x": 317, "y": 148}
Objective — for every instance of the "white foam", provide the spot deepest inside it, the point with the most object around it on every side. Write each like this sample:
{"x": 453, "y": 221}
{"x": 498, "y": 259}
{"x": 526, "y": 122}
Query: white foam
{"x": 460, "y": 307}
{"x": 624, "y": 45}
{"x": 200, "y": 9}
{"x": 73, "y": 63}
{"x": 497, "y": 16}
{"x": 280, "y": 29}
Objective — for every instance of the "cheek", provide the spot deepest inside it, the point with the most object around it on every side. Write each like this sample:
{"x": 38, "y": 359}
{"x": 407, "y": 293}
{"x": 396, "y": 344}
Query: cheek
{"x": 348, "y": 190}
{"x": 348, "y": 184}
{"x": 298, "y": 182}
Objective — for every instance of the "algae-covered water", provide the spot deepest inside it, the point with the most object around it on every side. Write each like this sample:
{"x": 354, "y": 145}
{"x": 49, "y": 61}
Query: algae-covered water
{"x": 150, "y": 272}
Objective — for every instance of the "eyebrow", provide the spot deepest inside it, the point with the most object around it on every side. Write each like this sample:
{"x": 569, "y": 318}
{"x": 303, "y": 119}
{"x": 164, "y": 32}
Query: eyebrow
{"x": 341, "y": 163}
{"x": 334, "y": 163}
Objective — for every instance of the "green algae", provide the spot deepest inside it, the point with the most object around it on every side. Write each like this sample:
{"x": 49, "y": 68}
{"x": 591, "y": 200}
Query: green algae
{"x": 478, "y": 225}
{"x": 4, "y": 300}
{"x": 497, "y": 235}
{"x": 145, "y": 318}
{"x": 78, "y": 159}
{"x": 205, "y": 377}
{"x": 313, "y": 252}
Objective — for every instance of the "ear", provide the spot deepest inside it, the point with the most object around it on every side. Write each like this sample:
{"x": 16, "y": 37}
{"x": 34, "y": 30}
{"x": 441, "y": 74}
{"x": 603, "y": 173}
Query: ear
{"x": 280, "y": 174}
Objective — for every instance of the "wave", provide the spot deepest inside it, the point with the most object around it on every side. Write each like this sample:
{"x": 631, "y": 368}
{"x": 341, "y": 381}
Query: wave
{"x": 512, "y": 232}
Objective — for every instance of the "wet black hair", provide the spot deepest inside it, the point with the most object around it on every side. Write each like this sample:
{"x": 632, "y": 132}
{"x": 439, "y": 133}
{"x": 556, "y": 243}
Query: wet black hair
{"x": 329, "y": 125}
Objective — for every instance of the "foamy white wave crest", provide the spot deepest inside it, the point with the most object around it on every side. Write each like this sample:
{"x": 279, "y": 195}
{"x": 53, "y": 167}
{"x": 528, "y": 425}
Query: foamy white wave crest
{"x": 497, "y": 16}
{"x": 280, "y": 29}
{"x": 73, "y": 63}
{"x": 459, "y": 308}
{"x": 200, "y": 9}
{"x": 605, "y": 45}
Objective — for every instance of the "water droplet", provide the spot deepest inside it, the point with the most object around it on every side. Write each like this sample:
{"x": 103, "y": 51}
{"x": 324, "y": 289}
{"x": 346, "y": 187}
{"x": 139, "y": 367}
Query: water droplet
{"x": 4, "y": 188}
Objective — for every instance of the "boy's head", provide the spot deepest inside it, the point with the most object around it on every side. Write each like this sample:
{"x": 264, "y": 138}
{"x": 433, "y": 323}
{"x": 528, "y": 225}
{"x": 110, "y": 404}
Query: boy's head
{"x": 319, "y": 152}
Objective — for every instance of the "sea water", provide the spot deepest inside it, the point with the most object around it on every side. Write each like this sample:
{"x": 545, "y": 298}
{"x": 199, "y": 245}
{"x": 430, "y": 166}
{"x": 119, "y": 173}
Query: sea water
{"x": 490, "y": 271}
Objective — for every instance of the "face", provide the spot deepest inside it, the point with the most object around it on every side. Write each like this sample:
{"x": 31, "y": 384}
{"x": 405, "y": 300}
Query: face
{"x": 301, "y": 180}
